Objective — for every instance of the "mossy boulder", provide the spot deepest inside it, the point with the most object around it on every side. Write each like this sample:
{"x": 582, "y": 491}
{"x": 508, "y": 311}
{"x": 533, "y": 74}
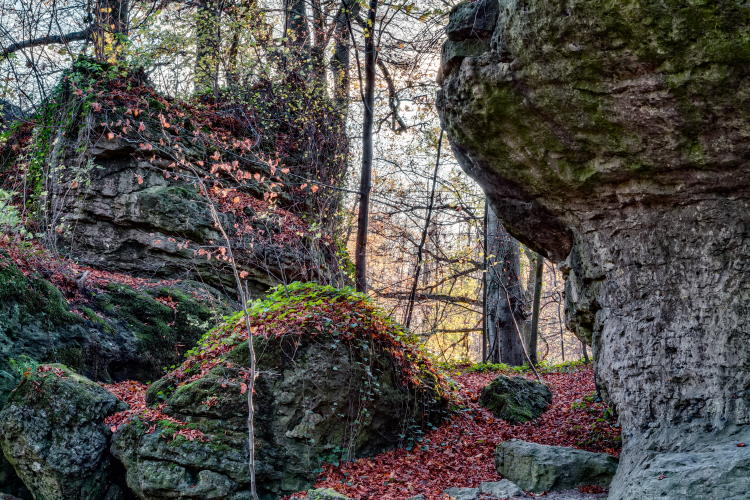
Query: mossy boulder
{"x": 118, "y": 331}
{"x": 337, "y": 380}
{"x": 515, "y": 399}
{"x": 52, "y": 433}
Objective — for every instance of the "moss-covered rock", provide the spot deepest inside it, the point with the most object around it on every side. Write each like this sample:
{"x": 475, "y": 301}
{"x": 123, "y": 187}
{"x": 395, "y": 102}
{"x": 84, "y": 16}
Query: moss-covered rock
{"x": 336, "y": 380}
{"x": 120, "y": 333}
{"x": 515, "y": 399}
{"x": 53, "y": 436}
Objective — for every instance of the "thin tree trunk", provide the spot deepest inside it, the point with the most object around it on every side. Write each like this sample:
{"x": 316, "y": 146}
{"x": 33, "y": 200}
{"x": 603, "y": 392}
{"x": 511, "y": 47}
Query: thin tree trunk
{"x": 423, "y": 238}
{"x": 365, "y": 183}
{"x": 534, "y": 330}
{"x": 504, "y": 298}
{"x": 585, "y": 354}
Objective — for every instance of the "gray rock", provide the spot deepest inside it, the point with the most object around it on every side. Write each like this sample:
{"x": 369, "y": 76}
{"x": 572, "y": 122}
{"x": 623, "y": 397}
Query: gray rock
{"x": 122, "y": 333}
{"x": 515, "y": 399}
{"x": 615, "y": 141}
{"x": 539, "y": 468}
{"x": 325, "y": 494}
{"x": 320, "y": 397}
{"x": 52, "y": 434}
{"x": 417, "y": 497}
{"x": 692, "y": 468}
{"x": 500, "y": 489}
{"x": 462, "y": 493}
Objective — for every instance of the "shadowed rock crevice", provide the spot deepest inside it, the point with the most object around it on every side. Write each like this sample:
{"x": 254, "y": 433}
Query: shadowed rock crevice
{"x": 614, "y": 136}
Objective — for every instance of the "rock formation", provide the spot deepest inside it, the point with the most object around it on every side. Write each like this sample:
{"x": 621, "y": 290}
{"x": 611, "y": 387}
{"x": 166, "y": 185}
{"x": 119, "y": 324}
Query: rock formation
{"x": 53, "y": 433}
{"x": 127, "y": 180}
{"x": 614, "y": 137}
{"x": 337, "y": 381}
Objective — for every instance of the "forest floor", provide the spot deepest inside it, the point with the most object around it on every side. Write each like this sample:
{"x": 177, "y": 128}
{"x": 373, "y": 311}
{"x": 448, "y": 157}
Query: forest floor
{"x": 460, "y": 453}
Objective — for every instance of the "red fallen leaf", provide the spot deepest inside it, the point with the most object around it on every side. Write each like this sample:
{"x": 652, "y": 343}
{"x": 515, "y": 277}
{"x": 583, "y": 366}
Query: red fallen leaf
{"x": 96, "y": 107}
{"x": 139, "y": 178}
{"x": 741, "y": 445}
{"x": 244, "y": 274}
{"x": 660, "y": 477}
{"x": 243, "y": 387}
{"x": 110, "y": 136}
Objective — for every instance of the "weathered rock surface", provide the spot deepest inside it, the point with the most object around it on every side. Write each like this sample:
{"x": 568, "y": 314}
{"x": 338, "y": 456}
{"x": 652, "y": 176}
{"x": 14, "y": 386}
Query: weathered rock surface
{"x": 515, "y": 399}
{"x": 156, "y": 187}
{"x": 539, "y": 468}
{"x": 333, "y": 389}
{"x": 613, "y": 136}
{"x": 51, "y": 431}
{"x": 120, "y": 333}
{"x": 325, "y": 494}
{"x": 486, "y": 491}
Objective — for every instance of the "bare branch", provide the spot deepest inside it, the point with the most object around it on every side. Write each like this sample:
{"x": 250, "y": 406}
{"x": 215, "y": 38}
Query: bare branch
{"x": 47, "y": 40}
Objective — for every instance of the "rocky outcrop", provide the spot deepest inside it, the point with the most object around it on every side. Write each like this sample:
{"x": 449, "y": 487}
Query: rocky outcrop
{"x": 515, "y": 399}
{"x": 142, "y": 184}
{"x": 54, "y": 437}
{"x": 117, "y": 331}
{"x": 539, "y": 468}
{"x": 612, "y": 137}
{"x": 337, "y": 381}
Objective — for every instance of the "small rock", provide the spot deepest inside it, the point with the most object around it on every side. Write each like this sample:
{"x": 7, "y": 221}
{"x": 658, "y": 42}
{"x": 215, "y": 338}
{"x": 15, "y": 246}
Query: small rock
{"x": 416, "y": 497}
{"x": 501, "y": 489}
{"x": 325, "y": 494}
{"x": 462, "y": 493}
{"x": 515, "y": 399}
{"x": 536, "y": 467}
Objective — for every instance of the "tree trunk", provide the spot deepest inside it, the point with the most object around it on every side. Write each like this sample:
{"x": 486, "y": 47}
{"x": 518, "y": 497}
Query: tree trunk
{"x": 365, "y": 183}
{"x": 207, "y": 45}
{"x": 110, "y": 29}
{"x": 504, "y": 297}
{"x": 534, "y": 327}
{"x": 341, "y": 60}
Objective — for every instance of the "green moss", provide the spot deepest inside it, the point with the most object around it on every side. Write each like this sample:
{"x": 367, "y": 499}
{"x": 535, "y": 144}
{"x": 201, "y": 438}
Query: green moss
{"x": 33, "y": 297}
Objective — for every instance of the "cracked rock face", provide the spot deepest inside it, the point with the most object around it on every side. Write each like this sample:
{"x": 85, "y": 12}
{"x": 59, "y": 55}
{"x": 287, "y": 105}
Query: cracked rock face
{"x": 615, "y": 137}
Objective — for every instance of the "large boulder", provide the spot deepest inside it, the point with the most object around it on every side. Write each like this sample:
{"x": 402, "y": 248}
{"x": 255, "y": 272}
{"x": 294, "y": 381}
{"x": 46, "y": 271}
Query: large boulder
{"x": 515, "y": 399}
{"x": 613, "y": 137}
{"x": 337, "y": 380}
{"x": 52, "y": 433}
{"x": 152, "y": 186}
{"x": 118, "y": 330}
{"x": 539, "y": 468}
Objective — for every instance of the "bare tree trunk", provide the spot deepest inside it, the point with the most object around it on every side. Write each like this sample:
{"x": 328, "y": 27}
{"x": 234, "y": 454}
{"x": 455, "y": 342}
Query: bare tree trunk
{"x": 110, "y": 29}
{"x": 341, "y": 60}
{"x": 365, "y": 183}
{"x": 534, "y": 330}
{"x": 207, "y": 44}
{"x": 423, "y": 238}
{"x": 504, "y": 299}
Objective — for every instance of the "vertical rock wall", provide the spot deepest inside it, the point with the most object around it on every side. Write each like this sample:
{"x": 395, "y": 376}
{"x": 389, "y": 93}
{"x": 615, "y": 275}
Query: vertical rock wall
{"x": 615, "y": 136}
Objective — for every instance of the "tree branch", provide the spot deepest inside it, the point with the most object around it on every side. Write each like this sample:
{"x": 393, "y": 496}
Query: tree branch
{"x": 47, "y": 40}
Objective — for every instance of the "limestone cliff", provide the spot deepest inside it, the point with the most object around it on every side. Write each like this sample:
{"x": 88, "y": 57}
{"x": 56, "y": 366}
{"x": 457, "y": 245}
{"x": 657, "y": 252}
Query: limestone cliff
{"x": 614, "y": 137}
